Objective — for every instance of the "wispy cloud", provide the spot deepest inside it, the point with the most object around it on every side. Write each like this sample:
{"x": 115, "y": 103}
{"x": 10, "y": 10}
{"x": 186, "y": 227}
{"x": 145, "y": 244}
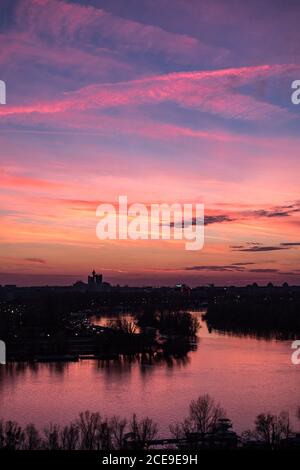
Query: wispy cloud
{"x": 217, "y": 268}
{"x": 264, "y": 270}
{"x": 291, "y": 244}
{"x": 15, "y": 180}
{"x": 189, "y": 89}
{"x": 35, "y": 260}
{"x": 69, "y": 23}
{"x": 260, "y": 249}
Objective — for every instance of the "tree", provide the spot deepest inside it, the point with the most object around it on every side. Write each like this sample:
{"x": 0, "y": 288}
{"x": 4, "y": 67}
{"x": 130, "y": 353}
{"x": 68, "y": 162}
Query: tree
{"x": 69, "y": 436}
{"x": 11, "y": 436}
{"x": 32, "y": 440}
{"x": 271, "y": 429}
{"x": 89, "y": 424}
{"x": 122, "y": 325}
{"x": 95, "y": 432}
{"x": 203, "y": 417}
{"x": 142, "y": 431}
{"x": 205, "y": 413}
{"x": 118, "y": 428}
{"x": 51, "y": 441}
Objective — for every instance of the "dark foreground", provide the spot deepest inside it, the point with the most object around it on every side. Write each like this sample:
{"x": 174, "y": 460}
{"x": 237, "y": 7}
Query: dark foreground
{"x": 205, "y": 428}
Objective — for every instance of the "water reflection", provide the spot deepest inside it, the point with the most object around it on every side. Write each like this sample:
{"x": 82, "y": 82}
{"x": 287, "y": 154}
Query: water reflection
{"x": 244, "y": 333}
{"x": 246, "y": 375}
{"x": 119, "y": 365}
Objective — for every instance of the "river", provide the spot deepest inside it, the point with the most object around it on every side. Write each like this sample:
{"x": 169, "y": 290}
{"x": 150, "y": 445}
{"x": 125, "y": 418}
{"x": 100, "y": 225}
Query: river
{"x": 246, "y": 375}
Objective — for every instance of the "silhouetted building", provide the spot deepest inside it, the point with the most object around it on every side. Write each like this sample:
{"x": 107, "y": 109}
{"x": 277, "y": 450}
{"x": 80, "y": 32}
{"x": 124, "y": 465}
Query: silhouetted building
{"x": 95, "y": 280}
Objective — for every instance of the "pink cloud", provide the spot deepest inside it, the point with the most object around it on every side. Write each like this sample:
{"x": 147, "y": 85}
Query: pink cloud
{"x": 69, "y": 23}
{"x": 11, "y": 180}
{"x": 200, "y": 90}
{"x": 23, "y": 47}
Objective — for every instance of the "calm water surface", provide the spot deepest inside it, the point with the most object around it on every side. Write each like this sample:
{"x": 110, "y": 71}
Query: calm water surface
{"x": 245, "y": 375}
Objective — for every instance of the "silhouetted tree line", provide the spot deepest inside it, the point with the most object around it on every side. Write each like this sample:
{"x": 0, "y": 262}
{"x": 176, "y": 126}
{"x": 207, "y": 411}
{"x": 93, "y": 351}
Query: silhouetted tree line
{"x": 123, "y": 337}
{"x": 266, "y": 316}
{"x": 270, "y": 430}
{"x": 181, "y": 323}
{"x": 91, "y": 431}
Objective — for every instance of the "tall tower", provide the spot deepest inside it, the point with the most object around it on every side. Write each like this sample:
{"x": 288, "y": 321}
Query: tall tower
{"x": 95, "y": 280}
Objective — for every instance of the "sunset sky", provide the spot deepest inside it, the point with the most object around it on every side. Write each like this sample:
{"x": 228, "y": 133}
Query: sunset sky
{"x": 162, "y": 101}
